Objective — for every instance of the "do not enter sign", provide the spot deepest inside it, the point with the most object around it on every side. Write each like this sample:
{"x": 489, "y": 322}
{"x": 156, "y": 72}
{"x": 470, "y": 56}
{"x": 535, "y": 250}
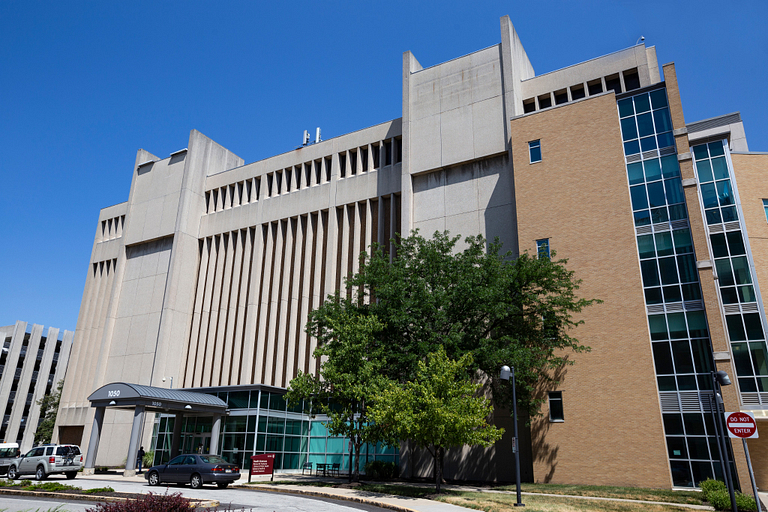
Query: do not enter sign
{"x": 741, "y": 425}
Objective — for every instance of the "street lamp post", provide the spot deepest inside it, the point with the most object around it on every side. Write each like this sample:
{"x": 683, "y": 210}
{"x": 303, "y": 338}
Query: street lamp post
{"x": 506, "y": 373}
{"x": 720, "y": 378}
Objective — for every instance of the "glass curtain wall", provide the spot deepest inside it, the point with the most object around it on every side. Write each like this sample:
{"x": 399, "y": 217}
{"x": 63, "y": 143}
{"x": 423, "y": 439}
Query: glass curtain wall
{"x": 677, "y": 322}
{"x": 744, "y": 316}
{"x": 261, "y": 422}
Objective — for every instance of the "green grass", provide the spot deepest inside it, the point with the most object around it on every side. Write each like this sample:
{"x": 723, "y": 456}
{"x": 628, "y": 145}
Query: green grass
{"x": 497, "y": 502}
{"x": 98, "y": 489}
{"x": 604, "y": 491}
{"x": 50, "y": 486}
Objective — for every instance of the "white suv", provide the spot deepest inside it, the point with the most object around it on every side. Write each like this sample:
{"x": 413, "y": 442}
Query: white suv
{"x": 42, "y": 461}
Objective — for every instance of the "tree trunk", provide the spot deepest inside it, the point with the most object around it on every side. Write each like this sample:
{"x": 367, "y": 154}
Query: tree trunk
{"x": 357, "y": 459}
{"x": 438, "y": 468}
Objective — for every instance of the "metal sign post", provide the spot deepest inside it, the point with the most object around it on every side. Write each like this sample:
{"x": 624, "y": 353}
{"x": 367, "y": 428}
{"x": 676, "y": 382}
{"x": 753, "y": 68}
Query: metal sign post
{"x": 743, "y": 425}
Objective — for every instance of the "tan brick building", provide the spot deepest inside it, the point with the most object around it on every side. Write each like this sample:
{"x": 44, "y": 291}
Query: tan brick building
{"x": 207, "y": 273}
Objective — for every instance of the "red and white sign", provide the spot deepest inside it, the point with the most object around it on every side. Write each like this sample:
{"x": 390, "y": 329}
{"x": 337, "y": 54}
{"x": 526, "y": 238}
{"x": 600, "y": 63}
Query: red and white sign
{"x": 741, "y": 425}
{"x": 262, "y": 464}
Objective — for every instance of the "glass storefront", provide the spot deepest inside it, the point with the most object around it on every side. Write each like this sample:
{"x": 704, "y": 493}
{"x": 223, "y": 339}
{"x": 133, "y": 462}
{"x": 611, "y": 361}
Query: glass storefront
{"x": 261, "y": 422}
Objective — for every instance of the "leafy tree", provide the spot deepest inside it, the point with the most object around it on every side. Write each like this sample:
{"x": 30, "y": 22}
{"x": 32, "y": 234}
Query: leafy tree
{"x": 499, "y": 308}
{"x": 49, "y": 408}
{"x": 439, "y": 409}
{"x": 350, "y": 374}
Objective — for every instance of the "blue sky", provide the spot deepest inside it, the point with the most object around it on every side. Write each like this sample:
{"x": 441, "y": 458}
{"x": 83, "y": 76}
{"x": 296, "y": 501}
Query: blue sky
{"x": 85, "y": 84}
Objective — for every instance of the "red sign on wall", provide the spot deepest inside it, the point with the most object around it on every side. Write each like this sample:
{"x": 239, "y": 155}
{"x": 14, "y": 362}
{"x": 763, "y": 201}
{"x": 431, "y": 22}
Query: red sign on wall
{"x": 262, "y": 464}
{"x": 741, "y": 425}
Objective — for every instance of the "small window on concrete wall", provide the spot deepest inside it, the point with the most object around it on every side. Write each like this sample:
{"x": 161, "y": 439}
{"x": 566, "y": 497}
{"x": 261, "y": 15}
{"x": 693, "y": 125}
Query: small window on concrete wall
{"x": 529, "y": 105}
{"x": 545, "y": 101}
{"x": 595, "y": 87}
{"x": 556, "y": 406}
{"x": 534, "y": 148}
{"x": 577, "y": 92}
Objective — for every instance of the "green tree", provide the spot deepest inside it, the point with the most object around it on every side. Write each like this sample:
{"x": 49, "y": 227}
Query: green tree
{"x": 501, "y": 309}
{"x": 439, "y": 409}
{"x": 350, "y": 374}
{"x": 49, "y": 408}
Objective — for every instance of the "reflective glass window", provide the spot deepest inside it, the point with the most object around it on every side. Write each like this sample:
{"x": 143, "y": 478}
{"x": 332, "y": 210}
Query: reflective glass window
{"x": 670, "y": 167}
{"x": 628, "y": 129}
{"x": 645, "y": 246}
{"x": 652, "y": 169}
{"x": 659, "y": 98}
{"x": 716, "y": 148}
{"x": 662, "y": 121}
{"x": 709, "y": 195}
{"x": 735, "y": 328}
{"x": 704, "y": 171}
{"x": 735, "y": 243}
{"x": 664, "y": 244}
{"x": 642, "y": 103}
{"x": 656, "y": 194}
{"x": 719, "y": 249}
{"x": 635, "y": 173}
{"x": 648, "y": 143}
{"x": 720, "y": 168}
{"x": 650, "y": 273}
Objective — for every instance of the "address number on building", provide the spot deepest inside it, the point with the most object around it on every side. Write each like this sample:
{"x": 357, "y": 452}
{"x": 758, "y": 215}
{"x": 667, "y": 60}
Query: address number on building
{"x": 114, "y": 393}
{"x": 157, "y": 404}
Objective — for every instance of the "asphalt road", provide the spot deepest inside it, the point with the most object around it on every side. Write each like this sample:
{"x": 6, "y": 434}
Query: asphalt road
{"x": 237, "y": 499}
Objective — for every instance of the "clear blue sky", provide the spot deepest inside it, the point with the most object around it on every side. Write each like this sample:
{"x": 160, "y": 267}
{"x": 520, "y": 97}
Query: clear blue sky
{"x": 85, "y": 84}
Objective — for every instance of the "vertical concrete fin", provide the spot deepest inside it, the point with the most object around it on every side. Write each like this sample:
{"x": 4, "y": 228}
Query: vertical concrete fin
{"x": 516, "y": 67}
{"x": 653, "y": 65}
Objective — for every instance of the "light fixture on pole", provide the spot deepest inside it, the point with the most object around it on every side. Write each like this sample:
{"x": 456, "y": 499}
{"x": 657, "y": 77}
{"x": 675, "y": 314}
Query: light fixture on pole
{"x": 720, "y": 378}
{"x": 506, "y": 373}
{"x": 171, "y": 382}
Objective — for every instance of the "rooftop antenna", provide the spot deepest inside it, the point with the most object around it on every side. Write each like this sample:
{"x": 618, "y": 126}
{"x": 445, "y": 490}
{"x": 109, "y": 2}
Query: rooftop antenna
{"x": 305, "y": 141}
{"x": 642, "y": 38}
{"x": 317, "y": 135}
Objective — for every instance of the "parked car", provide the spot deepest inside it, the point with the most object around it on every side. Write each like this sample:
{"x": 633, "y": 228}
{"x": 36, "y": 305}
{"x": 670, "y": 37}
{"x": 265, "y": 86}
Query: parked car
{"x": 194, "y": 469}
{"x": 48, "y": 459}
{"x": 7, "y": 455}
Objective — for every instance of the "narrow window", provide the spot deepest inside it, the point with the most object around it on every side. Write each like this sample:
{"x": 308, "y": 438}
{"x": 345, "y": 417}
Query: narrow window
{"x": 387, "y": 152}
{"x": 765, "y": 207}
{"x": 328, "y": 162}
{"x": 529, "y": 106}
{"x": 577, "y": 92}
{"x": 545, "y": 101}
{"x": 631, "y": 79}
{"x": 542, "y": 248}
{"x": 375, "y": 155}
{"x": 364, "y": 159}
{"x": 561, "y": 97}
{"x": 613, "y": 83}
{"x": 595, "y": 87}
{"x": 556, "y": 406}
{"x": 353, "y": 162}
{"x": 342, "y": 165}
{"x": 398, "y": 150}
{"x": 534, "y": 148}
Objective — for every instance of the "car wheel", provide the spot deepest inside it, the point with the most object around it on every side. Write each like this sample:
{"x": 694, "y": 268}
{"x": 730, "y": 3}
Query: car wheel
{"x": 12, "y": 475}
{"x": 154, "y": 478}
{"x": 222, "y": 485}
{"x": 196, "y": 481}
{"x": 71, "y": 474}
{"x": 40, "y": 473}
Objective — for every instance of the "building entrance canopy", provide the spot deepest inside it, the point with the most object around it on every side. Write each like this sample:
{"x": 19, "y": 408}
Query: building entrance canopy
{"x": 127, "y": 396}
{"x": 140, "y": 398}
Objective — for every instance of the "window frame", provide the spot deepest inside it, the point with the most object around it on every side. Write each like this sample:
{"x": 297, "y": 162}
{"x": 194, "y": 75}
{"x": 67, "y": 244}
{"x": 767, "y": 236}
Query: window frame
{"x": 534, "y": 145}
{"x": 540, "y": 244}
{"x": 555, "y": 396}
{"x": 765, "y": 208}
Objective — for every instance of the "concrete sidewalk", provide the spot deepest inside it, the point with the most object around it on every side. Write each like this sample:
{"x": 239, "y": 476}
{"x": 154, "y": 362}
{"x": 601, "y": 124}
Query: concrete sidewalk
{"x": 302, "y": 485}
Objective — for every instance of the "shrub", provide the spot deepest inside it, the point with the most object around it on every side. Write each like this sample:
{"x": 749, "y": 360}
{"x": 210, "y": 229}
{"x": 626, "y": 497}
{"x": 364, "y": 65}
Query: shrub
{"x": 380, "y": 470}
{"x": 709, "y": 486}
{"x": 98, "y": 489}
{"x": 745, "y": 502}
{"x": 148, "y": 503}
{"x": 51, "y": 487}
{"x": 149, "y": 459}
{"x": 720, "y": 499}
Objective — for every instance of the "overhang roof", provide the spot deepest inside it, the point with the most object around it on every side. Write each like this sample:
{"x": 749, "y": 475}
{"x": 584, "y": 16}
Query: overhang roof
{"x": 126, "y": 395}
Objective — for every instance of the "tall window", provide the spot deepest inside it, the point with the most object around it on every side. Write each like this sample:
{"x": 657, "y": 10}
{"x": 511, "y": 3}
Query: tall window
{"x": 765, "y": 207}
{"x": 556, "y": 406}
{"x": 534, "y": 148}
{"x": 542, "y": 248}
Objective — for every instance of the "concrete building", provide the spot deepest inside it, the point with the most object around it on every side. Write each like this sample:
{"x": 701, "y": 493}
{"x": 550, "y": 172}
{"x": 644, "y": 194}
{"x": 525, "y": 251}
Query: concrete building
{"x": 207, "y": 273}
{"x": 31, "y": 365}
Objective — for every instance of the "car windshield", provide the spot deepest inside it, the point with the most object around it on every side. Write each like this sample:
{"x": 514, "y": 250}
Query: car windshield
{"x": 213, "y": 459}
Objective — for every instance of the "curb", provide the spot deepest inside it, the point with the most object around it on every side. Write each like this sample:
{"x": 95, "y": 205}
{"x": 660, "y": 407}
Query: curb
{"x": 92, "y": 497}
{"x": 339, "y": 497}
